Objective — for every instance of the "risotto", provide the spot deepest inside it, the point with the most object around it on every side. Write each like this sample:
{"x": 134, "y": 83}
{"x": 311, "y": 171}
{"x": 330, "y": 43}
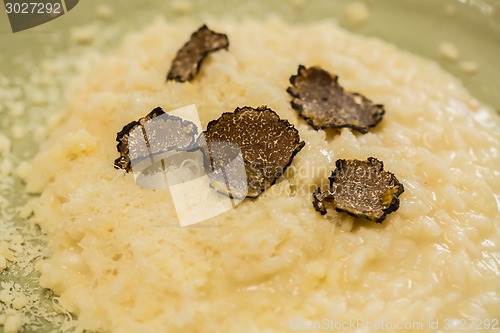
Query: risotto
{"x": 120, "y": 262}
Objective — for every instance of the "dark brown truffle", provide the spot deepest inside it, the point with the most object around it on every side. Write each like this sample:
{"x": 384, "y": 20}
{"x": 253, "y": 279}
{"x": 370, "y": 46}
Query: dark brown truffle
{"x": 189, "y": 58}
{"x": 147, "y": 139}
{"x": 266, "y": 144}
{"x": 322, "y": 101}
{"x": 361, "y": 188}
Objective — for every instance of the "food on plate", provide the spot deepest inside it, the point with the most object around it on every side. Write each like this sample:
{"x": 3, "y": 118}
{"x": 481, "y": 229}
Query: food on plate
{"x": 120, "y": 262}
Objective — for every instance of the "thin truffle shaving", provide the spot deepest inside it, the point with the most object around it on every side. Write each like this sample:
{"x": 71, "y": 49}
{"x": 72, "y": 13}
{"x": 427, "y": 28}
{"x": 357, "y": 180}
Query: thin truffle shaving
{"x": 189, "y": 58}
{"x": 322, "y": 101}
{"x": 266, "y": 144}
{"x": 149, "y": 138}
{"x": 361, "y": 188}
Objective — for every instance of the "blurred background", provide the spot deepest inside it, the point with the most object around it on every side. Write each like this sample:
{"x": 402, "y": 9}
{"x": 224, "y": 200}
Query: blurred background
{"x": 472, "y": 26}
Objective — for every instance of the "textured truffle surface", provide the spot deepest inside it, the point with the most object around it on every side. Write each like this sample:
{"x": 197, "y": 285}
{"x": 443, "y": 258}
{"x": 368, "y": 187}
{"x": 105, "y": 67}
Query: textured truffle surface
{"x": 152, "y": 136}
{"x": 189, "y": 58}
{"x": 323, "y": 102}
{"x": 361, "y": 188}
{"x": 266, "y": 142}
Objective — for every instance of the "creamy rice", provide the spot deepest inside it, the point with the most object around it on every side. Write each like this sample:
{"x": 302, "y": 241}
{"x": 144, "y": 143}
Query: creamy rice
{"x": 272, "y": 263}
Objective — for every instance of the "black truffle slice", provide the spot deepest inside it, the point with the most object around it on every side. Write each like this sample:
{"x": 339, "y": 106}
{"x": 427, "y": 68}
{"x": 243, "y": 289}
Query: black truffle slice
{"x": 189, "y": 58}
{"x": 147, "y": 140}
{"x": 266, "y": 144}
{"x": 322, "y": 101}
{"x": 361, "y": 188}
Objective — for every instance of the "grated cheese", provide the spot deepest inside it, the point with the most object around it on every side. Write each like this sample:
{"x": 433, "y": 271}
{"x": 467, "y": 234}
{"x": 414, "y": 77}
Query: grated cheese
{"x": 85, "y": 34}
{"x": 4, "y": 145}
{"x": 181, "y": 6}
{"x": 18, "y": 132}
{"x": 448, "y": 51}
{"x": 3, "y": 263}
{"x": 13, "y": 323}
{"x": 469, "y": 67}
{"x": 24, "y": 305}
{"x": 357, "y": 13}
{"x": 104, "y": 11}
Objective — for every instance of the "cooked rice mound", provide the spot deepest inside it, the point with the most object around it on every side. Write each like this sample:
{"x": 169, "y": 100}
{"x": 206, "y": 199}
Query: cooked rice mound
{"x": 121, "y": 263}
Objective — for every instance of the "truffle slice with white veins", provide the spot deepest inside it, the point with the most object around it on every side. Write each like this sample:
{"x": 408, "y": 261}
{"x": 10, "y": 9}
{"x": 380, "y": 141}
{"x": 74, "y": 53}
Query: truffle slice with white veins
{"x": 323, "y": 102}
{"x": 265, "y": 143}
{"x": 361, "y": 189}
{"x": 149, "y": 138}
{"x": 189, "y": 58}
